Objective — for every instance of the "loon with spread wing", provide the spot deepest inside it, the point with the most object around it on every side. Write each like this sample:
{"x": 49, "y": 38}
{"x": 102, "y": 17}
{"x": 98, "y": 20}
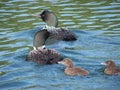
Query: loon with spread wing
{"x": 40, "y": 54}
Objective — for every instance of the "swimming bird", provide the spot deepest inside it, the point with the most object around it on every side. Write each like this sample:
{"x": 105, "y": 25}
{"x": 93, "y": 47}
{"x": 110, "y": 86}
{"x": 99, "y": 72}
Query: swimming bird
{"x": 40, "y": 54}
{"x": 51, "y": 25}
{"x": 71, "y": 69}
{"x": 110, "y": 67}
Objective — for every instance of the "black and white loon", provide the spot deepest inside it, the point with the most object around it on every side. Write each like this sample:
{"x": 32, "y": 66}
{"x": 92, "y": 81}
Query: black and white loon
{"x": 51, "y": 25}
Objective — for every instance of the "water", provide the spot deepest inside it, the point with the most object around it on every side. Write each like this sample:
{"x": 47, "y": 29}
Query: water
{"x": 97, "y": 26}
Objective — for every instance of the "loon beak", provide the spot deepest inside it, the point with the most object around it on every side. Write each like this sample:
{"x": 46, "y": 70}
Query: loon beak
{"x": 36, "y": 15}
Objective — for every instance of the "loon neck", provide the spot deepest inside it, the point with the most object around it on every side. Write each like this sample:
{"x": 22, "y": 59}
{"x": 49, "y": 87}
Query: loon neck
{"x": 41, "y": 47}
{"x": 49, "y": 27}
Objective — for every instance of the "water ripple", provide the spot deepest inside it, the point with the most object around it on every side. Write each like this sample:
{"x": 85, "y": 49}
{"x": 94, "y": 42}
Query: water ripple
{"x": 96, "y": 24}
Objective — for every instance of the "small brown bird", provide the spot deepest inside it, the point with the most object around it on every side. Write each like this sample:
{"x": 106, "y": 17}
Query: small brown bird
{"x": 110, "y": 67}
{"x": 71, "y": 70}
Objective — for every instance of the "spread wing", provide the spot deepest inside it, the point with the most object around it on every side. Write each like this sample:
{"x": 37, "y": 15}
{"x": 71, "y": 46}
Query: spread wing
{"x": 40, "y": 37}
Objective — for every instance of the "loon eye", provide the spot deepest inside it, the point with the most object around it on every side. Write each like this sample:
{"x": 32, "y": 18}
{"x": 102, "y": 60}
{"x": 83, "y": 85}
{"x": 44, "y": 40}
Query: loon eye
{"x": 43, "y": 15}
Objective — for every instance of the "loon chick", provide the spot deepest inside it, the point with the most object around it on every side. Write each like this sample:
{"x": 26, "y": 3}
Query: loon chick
{"x": 71, "y": 69}
{"x": 110, "y": 68}
{"x": 40, "y": 54}
{"x": 52, "y": 22}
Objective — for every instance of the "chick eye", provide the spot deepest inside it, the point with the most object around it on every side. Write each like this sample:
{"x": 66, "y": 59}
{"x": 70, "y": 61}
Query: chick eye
{"x": 109, "y": 62}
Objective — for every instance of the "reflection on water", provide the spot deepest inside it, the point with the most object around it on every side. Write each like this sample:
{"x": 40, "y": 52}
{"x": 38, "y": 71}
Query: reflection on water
{"x": 96, "y": 24}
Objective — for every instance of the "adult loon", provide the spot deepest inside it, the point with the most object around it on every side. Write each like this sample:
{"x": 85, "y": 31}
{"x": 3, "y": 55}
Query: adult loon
{"x": 40, "y": 54}
{"x": 51, "y": 25}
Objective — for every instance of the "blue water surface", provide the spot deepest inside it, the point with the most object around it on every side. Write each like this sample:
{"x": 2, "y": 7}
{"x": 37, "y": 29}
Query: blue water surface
{"x": 96, "y": 23}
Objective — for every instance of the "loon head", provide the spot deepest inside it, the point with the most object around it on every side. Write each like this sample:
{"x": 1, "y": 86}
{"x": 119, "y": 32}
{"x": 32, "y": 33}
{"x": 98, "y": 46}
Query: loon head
{"x": 40, "y": 38}
{"x": 49, "y": 18}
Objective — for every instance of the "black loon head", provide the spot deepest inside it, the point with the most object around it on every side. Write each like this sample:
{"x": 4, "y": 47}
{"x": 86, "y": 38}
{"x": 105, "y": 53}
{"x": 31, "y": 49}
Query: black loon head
{"x": 49, "y": 18}
{"x": 40, "y": 38}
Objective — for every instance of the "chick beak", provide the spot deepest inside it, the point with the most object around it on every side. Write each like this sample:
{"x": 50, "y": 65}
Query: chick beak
{"x": 103, "y": 63}
{"x": 59, "y": 62}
